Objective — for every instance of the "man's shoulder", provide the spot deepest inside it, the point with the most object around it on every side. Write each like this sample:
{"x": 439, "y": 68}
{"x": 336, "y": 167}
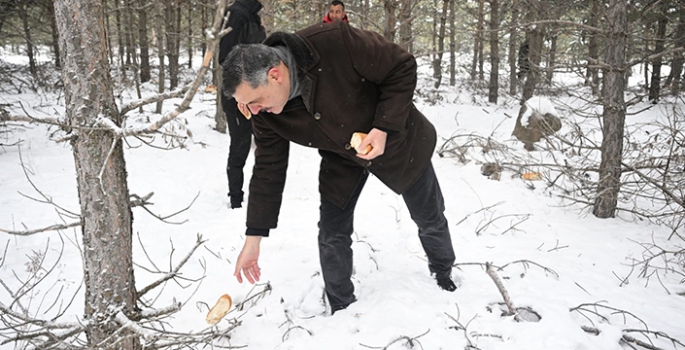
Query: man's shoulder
{"x": 319, "y": 28}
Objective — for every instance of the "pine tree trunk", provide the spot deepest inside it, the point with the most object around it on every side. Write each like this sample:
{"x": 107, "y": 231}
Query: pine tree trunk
{"x": 477, "y": 40}
{"x": 389, "y": 7}
{"x": 190, "y": 35}
{"x": 535, "y": 41}
{"x": 219, "y": 116}
{"x": 655, "y": 84}
{"x": 101, "y": 173}
{"x": 29, "y": 41}
{"x": 493, "y": 90}
{"x": 50, "y": 5}
{"x": 406, "y": 33}
{"x": 593, "y": 47}
{"x": 437, "y": 63}
{"x": 481, "y": 39}
{"x": 614, "y": 113}
{"x": 120, "y": 40}
{"x": 108, "y": 32}
{"x": 160, "y": 53}
{"x": 172, "y": 39}
{"x": 677, "y": 65}
{"x": 453, "y": 46}
{"x": 143, "y": 42}
{"x": 128, "y": 33}
{"x": 513, "y": 38}
{"x": 434, "y": 37}
{"x": 203, "y": 19}
{"x": 552, "y": 58}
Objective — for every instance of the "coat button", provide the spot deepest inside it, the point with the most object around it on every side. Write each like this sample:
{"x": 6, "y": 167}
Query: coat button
{"x": 317, "y": 115}
{"x": 348, "y": 146}
{"x": 368, "y": 164}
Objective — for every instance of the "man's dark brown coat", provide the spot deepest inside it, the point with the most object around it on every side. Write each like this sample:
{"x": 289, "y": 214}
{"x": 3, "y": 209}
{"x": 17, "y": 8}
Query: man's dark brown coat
{"x": 352, "y": 80}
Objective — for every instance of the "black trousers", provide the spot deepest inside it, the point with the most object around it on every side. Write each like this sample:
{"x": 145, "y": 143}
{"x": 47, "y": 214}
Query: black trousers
{"x": 426, "y": 206}
{"x": 240, "y": 131}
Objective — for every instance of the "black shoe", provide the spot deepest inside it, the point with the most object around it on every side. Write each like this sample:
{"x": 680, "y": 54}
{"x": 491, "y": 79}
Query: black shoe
{"x": 236, "y": 201}
{"x": 338, "y": 308}
{"x": 446, "y": 284}
{"x": 335, "y": 308}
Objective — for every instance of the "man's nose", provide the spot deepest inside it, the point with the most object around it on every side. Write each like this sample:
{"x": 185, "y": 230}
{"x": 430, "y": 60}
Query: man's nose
{"x": 254, "y": 109}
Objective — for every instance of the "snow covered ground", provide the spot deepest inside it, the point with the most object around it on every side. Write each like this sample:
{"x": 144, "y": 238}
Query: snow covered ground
{"x": 556, "y": 259}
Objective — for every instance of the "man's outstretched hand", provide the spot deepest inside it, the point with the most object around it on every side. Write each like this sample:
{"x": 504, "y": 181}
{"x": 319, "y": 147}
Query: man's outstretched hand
{"x": 247, "y": 263}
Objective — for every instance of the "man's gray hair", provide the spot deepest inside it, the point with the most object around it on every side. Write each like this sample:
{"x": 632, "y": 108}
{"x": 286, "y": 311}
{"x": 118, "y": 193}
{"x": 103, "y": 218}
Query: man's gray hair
{"x": 249, "y": 63}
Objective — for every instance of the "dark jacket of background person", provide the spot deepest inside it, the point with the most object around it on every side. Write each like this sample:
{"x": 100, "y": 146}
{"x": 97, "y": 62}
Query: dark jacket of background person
{"x": 246, "y": 29}
{"x": 246, "y": 24}
{"x": 352, "y": 80}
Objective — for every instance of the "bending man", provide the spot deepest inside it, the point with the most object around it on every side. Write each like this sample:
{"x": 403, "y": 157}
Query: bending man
{"x": 316, "y": 88}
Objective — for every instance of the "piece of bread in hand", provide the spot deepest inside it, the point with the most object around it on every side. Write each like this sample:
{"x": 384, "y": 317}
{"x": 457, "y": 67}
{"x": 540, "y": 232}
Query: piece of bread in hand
{"x": 356, "y": 140}
{"x": 219, "y": 310}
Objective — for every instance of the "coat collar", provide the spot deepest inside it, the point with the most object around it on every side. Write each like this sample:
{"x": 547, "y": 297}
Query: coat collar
{"x": 305, "y": 59}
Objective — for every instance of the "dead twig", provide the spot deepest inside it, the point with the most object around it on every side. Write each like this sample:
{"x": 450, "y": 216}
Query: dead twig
{"x": 503, "y": 291}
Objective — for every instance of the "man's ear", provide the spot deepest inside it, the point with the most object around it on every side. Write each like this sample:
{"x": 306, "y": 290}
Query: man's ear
{"x": 275, "y": 74}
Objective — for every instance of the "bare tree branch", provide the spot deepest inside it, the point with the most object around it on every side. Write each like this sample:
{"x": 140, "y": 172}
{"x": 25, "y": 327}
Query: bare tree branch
{"x": 173, "y": 273}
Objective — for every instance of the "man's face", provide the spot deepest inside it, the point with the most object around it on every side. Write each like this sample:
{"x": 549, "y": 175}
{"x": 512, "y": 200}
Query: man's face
{"x": 336, "y": 12}
{"x": 270, "y": 98}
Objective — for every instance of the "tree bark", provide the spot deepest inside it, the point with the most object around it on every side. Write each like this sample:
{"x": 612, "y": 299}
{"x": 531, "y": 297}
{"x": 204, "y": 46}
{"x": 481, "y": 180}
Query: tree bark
{"x": 614, "y": 112}
{"x": 172, "y": 39}
{"x": 219, "y": 116}
{"x": 655, "y": 82}
{"x": 190, "y": 34}
{"x": 434, "y": 39}
{"x": 143, "y": 42}
{"x": 101, "y": 173}
{"x": 535, "y": 41}
{"x": 477, "y": 41}
{"x": 552, "y": 58}
{"x": 406, "y": 32}
{"x": 203, "y": 21}
{"x": 513, "y": 45}
{"x": 437, "y": 63}
{"x": 481, "y": 39}
{"x": 23, "y": 14}
{"x": 593, "y": 46}
{"x": 389, "y": 6}
{"x": 493, "y": 90}
{"x": 677, "y": 64}
{"x": 453, "y": 46}
{"x": 50, "y": 6}
{"x": 120, "y": 39}
{"x": 108, "y": 32}
{"x": 160, "y": 53}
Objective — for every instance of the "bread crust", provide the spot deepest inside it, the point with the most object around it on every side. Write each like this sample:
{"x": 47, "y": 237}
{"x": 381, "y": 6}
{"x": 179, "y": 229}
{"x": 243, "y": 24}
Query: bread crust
{"x": 220, "y": 309}
{"x": 356, "y": 140}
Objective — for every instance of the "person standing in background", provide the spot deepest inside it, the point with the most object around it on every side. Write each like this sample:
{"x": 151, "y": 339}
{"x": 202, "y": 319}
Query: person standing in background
{"x": 246, "y": 29}
{"x": 336, "y": 12}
